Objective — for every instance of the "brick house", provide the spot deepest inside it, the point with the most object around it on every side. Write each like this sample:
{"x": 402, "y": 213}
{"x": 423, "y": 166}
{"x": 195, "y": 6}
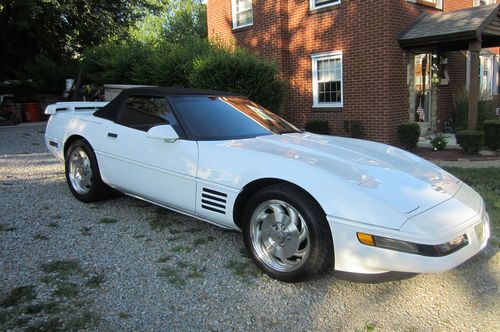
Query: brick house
{"x": 344, "y": 60}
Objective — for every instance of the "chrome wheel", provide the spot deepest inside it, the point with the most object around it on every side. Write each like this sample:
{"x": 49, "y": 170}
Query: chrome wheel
{"x": 80, "y": 171}
{"x": 279, "y": 236}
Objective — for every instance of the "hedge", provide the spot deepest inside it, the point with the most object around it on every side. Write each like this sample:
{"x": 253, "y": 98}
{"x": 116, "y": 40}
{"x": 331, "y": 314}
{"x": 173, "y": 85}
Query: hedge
{"x": 194, "y": 63}
{"x": 318, "y": 127}
{"x": 408, "y": 134}
{"x": 239, "y": 72}
{"x": 492, "y": 134}
{"x": 470, "y": 140}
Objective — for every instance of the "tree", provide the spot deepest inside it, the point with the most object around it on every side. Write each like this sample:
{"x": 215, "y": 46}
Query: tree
{"x": 186, "y": 19}
{"x": 61, "y": 29}
{"x": 171, "y": 20}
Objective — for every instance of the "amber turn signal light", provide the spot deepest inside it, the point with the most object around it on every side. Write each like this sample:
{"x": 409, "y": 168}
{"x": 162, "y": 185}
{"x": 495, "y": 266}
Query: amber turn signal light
{"x": 366, "y": 239}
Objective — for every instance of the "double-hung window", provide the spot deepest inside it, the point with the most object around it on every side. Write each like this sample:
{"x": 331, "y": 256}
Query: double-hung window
{"x": 432, "y": 3}
{"x": 327, "y": 79}
{"x": 484, "y": 2}
{"x": 316, "y": 4}
{"x": 242, "y": 13}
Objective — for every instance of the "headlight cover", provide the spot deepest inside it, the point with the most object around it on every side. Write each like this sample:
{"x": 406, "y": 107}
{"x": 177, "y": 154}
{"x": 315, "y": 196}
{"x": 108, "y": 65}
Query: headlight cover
{"x": 438, "y": 250}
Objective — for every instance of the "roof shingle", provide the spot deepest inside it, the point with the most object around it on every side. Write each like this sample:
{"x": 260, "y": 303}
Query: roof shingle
{"x": 448, "y": 26}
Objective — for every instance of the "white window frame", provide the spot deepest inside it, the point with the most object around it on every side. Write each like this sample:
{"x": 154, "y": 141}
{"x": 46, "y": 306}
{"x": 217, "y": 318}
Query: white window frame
{"x": 313, "y": 6}
{"x": 325, "y": 56}
{"x": 492, "y": 85}
{"x": 477, "y": 3}
{"x": 235, "y": 16}
{"x": 439, "y": 3}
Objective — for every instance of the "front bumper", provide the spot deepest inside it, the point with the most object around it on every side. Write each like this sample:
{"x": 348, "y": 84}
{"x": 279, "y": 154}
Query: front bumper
{"x": 352, "y": 256}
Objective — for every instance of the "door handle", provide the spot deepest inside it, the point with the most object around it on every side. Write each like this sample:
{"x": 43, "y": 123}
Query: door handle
{"x": 112, "y": 135}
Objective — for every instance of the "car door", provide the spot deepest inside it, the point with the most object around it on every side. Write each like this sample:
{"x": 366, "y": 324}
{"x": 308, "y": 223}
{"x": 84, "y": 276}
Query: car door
{"x": 153, "y": 169}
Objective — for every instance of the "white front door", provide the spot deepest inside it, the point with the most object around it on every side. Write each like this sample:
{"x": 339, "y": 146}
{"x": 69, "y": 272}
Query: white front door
{"x": 423, "y": 91}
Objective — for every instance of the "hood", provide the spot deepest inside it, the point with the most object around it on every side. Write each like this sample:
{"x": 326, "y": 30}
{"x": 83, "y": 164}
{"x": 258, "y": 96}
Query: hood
{"x": 397, "y": 179}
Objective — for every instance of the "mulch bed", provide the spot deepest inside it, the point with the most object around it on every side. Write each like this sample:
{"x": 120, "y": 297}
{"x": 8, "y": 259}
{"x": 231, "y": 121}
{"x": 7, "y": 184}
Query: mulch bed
{"x": 451, "y": 154}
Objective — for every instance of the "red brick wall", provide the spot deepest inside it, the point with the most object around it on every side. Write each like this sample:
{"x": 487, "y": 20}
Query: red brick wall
{"x": 219, "y": 19}
{"x": 374, "y": 70}
{"x": 375, "y": 86}
{"x": 268, "y": 35}
{"x": 363, "y": 49}
{"x": 457, "y": 4}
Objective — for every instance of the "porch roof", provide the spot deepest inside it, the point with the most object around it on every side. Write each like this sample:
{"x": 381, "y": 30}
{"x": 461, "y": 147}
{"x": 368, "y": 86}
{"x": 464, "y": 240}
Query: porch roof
{"x": 454, "y": 30}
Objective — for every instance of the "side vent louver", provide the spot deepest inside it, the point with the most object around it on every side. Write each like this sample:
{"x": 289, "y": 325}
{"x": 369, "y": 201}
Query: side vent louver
{"x": 213, "y": 200}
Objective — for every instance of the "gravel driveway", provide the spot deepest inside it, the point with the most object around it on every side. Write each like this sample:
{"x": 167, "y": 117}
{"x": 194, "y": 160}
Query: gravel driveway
{"x": 127, "y": 265}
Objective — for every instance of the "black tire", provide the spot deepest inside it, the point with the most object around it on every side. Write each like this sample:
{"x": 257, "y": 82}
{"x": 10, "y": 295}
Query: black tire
{"x": 321, "y": 251}
{"x": 97, "y": 190}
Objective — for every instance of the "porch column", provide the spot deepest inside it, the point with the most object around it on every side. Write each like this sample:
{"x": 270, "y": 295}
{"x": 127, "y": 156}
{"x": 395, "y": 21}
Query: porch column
{"x": 474, "y": 50}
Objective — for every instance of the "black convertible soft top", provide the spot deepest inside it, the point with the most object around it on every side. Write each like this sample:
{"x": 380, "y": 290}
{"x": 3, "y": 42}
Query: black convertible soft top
{"x": 111, "y": 110}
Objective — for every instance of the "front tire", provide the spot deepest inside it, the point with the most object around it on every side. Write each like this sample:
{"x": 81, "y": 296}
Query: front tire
{"x": 286, "y": 233}
{"x": 82, "y": 173}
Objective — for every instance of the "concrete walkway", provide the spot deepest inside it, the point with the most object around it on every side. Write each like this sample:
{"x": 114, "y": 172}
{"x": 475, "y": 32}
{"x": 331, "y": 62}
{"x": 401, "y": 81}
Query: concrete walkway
{"x": 425, "y": 142}
{"x": 465, "y": 163}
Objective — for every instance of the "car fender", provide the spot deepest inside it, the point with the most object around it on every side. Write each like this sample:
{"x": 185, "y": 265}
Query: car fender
{"x": 338, "y": 196}
{"x": 63, "y": 126}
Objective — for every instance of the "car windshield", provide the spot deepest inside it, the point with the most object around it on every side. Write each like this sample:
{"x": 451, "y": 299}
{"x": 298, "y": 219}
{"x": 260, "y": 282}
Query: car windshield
{"x": 223, "y": 118}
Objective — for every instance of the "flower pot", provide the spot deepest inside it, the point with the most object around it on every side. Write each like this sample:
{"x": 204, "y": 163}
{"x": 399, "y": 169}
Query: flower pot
{"x": 31, "y": 112}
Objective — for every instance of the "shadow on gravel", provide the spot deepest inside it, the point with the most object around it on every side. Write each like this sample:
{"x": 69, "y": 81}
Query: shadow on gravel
{"x": 480, "y": 276}
{"x": 373, "y": 278}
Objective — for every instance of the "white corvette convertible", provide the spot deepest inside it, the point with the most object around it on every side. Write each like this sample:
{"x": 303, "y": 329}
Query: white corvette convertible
{"x": 304, "y": 202}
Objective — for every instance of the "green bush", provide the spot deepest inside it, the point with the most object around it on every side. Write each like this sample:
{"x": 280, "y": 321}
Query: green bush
{"x": 439, "y": 142}
{"x": 408, "y": 134}
{"x": 318, "y": 127}
{"x": 470, "y": 140}
{"x": 194, "y": 63}
{"x": 492, "y": 134}
{"x": 239, "y": 72}
{"x": 356, "y": 129}
{"x": 133, "y": 62}
{"x": 459, "y": 115}
{"x": 171, "y": 64}
{"x": 485, "y": 110}
{"x": 44, "y": 75}
{"x": 115, "y": 63}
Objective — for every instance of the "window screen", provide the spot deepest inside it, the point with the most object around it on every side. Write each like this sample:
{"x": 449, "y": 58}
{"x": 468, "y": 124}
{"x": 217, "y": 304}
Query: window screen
{"x": 329, "y": 76}
{"x": 242, "y": 13}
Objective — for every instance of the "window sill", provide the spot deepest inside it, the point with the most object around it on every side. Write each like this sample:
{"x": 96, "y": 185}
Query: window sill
{"x": 324, "y": 8}
{"x": 242, "y": 28}
{"x": 330, "y": 109}
{"x": 427, "y": 4}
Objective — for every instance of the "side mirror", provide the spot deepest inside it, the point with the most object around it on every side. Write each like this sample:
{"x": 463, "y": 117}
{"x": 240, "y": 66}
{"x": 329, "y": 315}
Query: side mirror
{"x": 164, "y": 132}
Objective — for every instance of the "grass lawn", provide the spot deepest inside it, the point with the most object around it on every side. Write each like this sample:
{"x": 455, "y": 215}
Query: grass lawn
{"x": 486, "y": 181}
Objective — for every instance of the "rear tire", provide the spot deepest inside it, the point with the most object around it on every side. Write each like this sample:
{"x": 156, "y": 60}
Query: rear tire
{"x": 287, "y": 234}
{"x": 82, "y": 173}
